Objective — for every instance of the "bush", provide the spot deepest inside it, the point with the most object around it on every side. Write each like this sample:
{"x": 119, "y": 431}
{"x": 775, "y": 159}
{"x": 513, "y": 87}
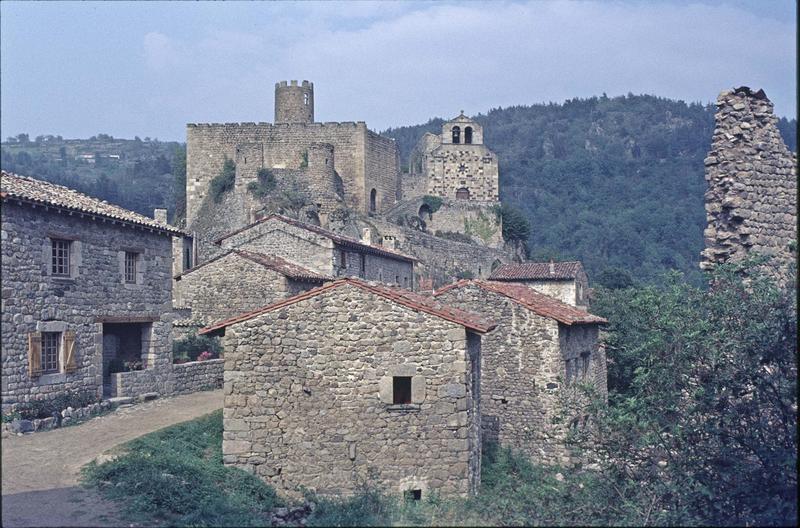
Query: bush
{"x": 516, "y": 228}
{"x": 190, "y": 348}
{"x": 264, "y": 186}
{"x": 454, "y": 236}
{"x": 175, "y": 477}
{"x": 433, "y": 202}
{"x": 224, "y": 181}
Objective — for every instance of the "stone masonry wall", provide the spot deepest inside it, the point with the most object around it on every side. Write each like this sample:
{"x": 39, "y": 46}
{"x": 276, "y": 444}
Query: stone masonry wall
{"x": 382, "y": 170}
{"x": 474, "y": 167}
{"x": 198, "y": 375}
{"x": 34, "y": 300}
{"x": 751, "y": 201}
{"x": 230, "y": 286}
{"x": 308, "y": 393}
{"x": 522, "y": 373}
{"x": 440, "y": 260}
{"x": 184, "y": 378}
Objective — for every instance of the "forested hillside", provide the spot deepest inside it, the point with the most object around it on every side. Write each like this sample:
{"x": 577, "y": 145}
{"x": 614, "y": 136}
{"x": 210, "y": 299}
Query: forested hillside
{"x": 615, "y": 182}
{"x": 136, "y": 174}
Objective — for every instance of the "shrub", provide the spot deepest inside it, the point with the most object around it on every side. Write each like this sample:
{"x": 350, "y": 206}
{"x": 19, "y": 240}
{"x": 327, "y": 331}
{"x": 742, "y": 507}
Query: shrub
{"x": 304, "y": 160}
{"x": 515, "y": 226}
{"x": 434, "y": 202}
{"x": 454, "y": 236}
{"x": 224, "y": 181}
{"x": 264, "y": 186}
{"x": 190, "y": 348}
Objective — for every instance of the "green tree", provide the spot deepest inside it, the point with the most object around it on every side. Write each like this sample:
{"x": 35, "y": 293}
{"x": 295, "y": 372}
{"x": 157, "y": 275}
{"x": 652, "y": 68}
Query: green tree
{"x": 224, "y": 181}
{"x": 702, "y": 412}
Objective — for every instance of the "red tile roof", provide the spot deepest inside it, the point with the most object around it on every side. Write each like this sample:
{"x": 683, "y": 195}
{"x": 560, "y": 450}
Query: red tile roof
{"x": 273, "y": 262}
{"x": 534, "y": 301}
{"x": 336, "y": 238}
{"x": 537, "y": 271}
{"x": 403, "y": 297}
{"x": 31, "y": 190}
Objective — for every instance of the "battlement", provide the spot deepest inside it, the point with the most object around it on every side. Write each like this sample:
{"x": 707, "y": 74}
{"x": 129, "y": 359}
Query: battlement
{"x": 294, "y": 83}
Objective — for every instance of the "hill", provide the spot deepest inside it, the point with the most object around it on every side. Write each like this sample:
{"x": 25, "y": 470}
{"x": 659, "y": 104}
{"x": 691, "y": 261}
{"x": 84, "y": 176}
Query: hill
{"x": 615, "y": 182}
{"x": 136, "y": 174}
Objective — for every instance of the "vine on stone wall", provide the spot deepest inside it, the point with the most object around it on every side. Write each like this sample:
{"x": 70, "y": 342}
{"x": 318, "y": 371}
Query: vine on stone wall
{"x": 224, "y": 181}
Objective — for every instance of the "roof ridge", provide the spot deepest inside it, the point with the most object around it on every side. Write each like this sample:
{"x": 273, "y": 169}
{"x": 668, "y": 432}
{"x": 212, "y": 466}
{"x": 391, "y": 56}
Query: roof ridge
{"x": 456, "y": 315}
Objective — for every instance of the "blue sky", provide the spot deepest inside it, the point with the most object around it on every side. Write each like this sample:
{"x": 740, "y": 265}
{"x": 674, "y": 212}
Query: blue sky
{"x": 146, "y": 69}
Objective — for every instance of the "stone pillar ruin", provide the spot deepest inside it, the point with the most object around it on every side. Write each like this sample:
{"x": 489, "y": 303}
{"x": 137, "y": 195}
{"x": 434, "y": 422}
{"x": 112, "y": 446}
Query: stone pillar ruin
{"x": 751, "y": 201}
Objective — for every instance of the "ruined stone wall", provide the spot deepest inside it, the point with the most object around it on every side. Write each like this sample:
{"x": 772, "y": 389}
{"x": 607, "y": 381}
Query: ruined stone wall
{"x": 296, "y": 244}
{"x": 751, "y": 201}
{"x": 584, "y": 359}
{"x": 308, "y": 398}
{"x": 522, "y": 373}
{"x": 440, "y": 260}
{"x": 230, "y": 286}
{"x": 35, "y": 301}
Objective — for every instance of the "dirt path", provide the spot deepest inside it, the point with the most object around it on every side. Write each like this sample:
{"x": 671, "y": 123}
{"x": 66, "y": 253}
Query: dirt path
{"x": 40, "y": 470}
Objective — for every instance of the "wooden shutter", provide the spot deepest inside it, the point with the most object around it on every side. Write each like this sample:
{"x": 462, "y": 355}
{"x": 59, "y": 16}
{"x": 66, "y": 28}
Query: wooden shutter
{"x": 70, "y": 363}
{"x": 34, "y": 354}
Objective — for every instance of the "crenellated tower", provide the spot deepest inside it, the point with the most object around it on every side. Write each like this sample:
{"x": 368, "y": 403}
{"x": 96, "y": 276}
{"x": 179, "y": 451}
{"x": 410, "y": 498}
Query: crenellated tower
{"x": 294, "y": 103}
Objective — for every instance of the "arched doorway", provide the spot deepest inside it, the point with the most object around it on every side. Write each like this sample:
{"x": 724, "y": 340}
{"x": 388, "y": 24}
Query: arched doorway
{"x": 462, "y": 194}
{"x": 373, "y": 199}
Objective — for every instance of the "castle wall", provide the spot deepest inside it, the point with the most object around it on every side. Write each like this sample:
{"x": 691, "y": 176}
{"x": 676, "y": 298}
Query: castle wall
{"x": 328, "y": 421}
{"x": 294, "y": 103}
{"x": 382, "y": 171}
{"x": 751, "y": 201}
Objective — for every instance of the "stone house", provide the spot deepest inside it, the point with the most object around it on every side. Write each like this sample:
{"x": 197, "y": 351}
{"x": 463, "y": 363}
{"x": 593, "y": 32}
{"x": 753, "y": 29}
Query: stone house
{"x": 353, "y": 382}
{"x": 565, "y": 281}
{"x": 322, "y": 251}
{"x": 85, "y": 284}
{"x": 530, "y": 363}
{"x": 239, "y": 281}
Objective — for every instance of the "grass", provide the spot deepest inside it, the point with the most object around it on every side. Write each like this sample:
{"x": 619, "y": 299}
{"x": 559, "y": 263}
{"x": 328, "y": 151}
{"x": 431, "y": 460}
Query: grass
{"x": 175, "y": 477}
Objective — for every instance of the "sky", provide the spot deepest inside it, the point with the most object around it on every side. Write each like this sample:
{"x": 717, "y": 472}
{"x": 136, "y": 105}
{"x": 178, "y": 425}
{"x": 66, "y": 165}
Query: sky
{"x": 146, "y": 69}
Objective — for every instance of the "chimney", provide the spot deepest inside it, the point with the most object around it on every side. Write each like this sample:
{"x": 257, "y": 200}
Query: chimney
{"x": 366, "y": 236}
{"x": 389, "y": 242}
{"x": 552, "y": 267}
{"x": 160, "y": 216}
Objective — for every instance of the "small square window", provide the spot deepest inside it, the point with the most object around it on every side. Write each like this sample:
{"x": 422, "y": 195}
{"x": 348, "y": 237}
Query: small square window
{"x": 413, "y": 495}
{"x": 61, "y": 257}
{"x": 51, "y": 352}
{"x": 130, "y": 267}
{"x": 401, "y": 390}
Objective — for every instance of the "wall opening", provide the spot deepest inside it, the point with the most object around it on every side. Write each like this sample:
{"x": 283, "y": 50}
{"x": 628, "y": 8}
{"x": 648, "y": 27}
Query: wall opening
{"x": 413, "y": 494}
{"x": 401, "y": 389}
{"x": 456, "y": 134}
{"x": 425, "y": 212}
{"x": 468, "y": 135}
{"x": 462, "y": 194}
{"x": 123, "y": 350}
{"x": 373, "y": 199}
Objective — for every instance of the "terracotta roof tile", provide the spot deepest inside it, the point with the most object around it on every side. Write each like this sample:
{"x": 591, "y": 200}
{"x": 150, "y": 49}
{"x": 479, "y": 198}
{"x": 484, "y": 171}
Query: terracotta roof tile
{"x": 403, "y": 297}
{"x": 336, "y": 238}
{"x": 273, "y": 262}
{"x": 534, "y": 301}
{"x": 35, "y": 191}
{"x": 537, "y": 271}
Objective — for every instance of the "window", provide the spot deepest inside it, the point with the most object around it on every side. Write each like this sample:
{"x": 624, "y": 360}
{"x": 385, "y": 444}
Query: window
{"x": 413, "y": 495}
{"x": 187, "y": 258}
{"x": 397, "y": 279}
{"x": 373, "y": 201}
{"x": 363, "y": 265}
{"x": 305, "y": 99}
{"x": 570, "y": 371}
{"x": 401, "y": 389}
{"x": 130, "y": 267}
{"x": 51, "y": 352}
{"x": 344, "y": 260}
{"x": 60, "y": 261}
{"x": 456, "y": 134}
{"x": 468, "y": 135}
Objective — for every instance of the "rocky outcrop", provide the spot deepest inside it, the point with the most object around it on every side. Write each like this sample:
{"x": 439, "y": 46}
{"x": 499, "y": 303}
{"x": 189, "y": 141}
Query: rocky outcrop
{"x": 751, "y": 201}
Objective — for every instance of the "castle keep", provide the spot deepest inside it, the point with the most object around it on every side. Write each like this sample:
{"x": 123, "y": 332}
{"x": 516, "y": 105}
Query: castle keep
{"x": 340, "y": 164}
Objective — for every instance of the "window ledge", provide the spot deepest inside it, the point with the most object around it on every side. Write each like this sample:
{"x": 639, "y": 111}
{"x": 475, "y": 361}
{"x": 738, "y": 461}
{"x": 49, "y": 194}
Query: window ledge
{"x": 53, "y": 377}
{"x": 58, "y": 278}
{"x": 404, "y": 407}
